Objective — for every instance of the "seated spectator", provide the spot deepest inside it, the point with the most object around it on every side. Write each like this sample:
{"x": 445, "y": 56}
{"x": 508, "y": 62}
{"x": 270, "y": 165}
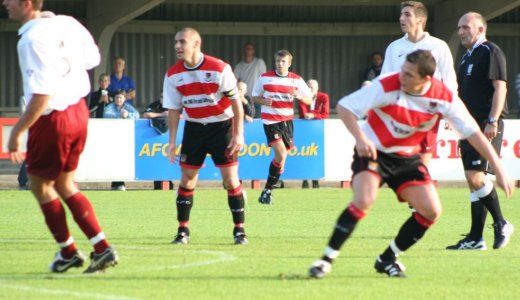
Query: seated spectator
{"x": 375, "y": 68}
{"x": 119, "y": 109}
{"x": 247, "y": 102}
{"x": 158, "y": 119}
{"x": 100, "y": 98}
{"x": 119, "y": 81}
{"x": 317, "y": 110}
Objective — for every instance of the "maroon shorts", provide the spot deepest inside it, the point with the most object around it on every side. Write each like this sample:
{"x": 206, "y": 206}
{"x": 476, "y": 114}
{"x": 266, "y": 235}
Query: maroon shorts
{"x": 56, "y": 141}
{"x": 428, "y": 142}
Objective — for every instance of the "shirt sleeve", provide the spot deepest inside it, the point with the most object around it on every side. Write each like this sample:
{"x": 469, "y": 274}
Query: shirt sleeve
{"x": 304, "y": 89}
{"x": 387, "y": 62}
{"x": 460, "y": 119}
{"x": 228, "y": 84}
{"x": 445, "y": 66}
{"x": 258, "y": 89}
{"x": 364, "y": 99}
{"x": 171, "y": 96}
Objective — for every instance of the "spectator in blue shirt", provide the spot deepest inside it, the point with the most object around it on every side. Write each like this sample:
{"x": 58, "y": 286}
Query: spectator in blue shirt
{"x": 119, "y": 81}
{"x": 119, "y": 109}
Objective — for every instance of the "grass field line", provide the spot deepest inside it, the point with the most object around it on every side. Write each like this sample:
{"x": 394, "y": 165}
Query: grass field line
{"x": 219, "y": 257}
{"x": 31, "y": 289}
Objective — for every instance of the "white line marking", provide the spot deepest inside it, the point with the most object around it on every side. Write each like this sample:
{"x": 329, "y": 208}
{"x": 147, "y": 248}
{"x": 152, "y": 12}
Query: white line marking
{"x": 64, "y": 292}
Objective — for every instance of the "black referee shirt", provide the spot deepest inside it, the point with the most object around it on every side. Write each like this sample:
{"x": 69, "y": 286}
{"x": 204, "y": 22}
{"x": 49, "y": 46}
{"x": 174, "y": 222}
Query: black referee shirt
{"x": 476, "y": 71}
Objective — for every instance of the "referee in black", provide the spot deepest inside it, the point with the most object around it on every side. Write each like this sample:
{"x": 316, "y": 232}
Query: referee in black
{"x": 482, "y": 81}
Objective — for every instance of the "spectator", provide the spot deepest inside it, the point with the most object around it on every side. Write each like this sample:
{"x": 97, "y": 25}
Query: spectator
{"x": 247, "y": 103}
{"x": 375, "y": 68}
{"x": 276, "y": 91}
{"x": 119, "y": 109}
{"x": 120, "y": 82}
{"x": 100, "y": 98}
{"x": 249, "y": 70}
{"x": 158, "y": 118}
{"x": 317, "y": 110}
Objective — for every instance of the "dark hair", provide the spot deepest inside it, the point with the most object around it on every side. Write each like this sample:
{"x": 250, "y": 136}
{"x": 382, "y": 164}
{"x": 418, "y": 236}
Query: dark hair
{"x": 424, "y": 60}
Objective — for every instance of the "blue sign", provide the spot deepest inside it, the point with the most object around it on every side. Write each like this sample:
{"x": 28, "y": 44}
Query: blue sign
{"x": 305, "y": 160}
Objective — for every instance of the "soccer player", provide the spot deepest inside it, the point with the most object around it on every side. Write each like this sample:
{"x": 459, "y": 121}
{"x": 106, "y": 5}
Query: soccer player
{"x": 401, "y": 108}
{"x": 276, "y": 92}
{"x": 482, "y": 86}
{"x": 413, "y": 18}
{"x": 205, "y": 89}
{"x": 54, "y": 55}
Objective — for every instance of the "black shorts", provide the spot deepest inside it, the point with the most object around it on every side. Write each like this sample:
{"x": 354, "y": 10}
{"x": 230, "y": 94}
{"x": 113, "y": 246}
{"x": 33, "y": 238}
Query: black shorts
{"x": 280, "y": 131}
{"x": 471, "y": 159}
{"x": 395, "y": 170}
{"x": 200, "y": 140}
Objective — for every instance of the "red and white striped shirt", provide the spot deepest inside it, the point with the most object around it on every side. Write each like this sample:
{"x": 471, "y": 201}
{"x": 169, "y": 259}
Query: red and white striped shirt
{"x": 397, "y": 121}
{"x": 201, "y": 90}
{"x": 280, "y": 89}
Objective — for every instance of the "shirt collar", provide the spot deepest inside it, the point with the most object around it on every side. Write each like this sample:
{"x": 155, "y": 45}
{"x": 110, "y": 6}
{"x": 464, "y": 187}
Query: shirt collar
{"x": 28, "y": 25}
{"x": 479, "y": 42}
{"x": 426, "y": 34}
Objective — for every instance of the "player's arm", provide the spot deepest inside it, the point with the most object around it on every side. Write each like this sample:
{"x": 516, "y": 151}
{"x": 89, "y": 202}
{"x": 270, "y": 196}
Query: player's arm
{"x": 497, "y": 105}
{"x": 482, "y": 145}
{"x": 238, "y": 121}
{"x": 174, "y": 116}
{"x": 32, "y": 112}
{"x": 364, "y": 147}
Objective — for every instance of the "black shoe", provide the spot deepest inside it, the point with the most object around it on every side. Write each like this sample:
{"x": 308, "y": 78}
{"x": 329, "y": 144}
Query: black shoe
{"x": 240, "y": 238}
{"x": 468, "y": 244}
{"x": 266, "y": 197}
{"x": 305, "y": 184}
{"x": 181, "y": 238}
{"x": 60, "y": 264}
{"x": 315, "y": 184}
{"x": 503, "y": 231}
{"x": 390, "y": 268}
{"x": 99, "y": 262}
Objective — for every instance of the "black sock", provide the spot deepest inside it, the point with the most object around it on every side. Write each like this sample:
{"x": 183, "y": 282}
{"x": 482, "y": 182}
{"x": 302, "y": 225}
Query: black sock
{"x": 493, "y": 206}
{"x": 478, "y": 220}
{"x": 274, "y": 174}
{"x": 343, "y": 229}
{"x": 236, "y": 205}
{"x": 184, "y": 204}
{"x": 409, "y": 234}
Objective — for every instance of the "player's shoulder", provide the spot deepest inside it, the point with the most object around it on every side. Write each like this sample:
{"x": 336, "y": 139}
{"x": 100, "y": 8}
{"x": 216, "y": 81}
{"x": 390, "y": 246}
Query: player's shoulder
{"x": 176, "y": 68}
{"x": 390, "y": 82}
{"x": 293, "y": 76}
{"x": 212, "y": 63}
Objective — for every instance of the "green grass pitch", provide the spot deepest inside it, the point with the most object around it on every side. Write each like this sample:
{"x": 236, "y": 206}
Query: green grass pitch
{"x": 285, "y": 239}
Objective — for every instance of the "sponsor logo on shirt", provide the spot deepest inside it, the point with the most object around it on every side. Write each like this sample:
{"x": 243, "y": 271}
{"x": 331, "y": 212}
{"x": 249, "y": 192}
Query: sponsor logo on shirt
{"x": 207, "y": 77}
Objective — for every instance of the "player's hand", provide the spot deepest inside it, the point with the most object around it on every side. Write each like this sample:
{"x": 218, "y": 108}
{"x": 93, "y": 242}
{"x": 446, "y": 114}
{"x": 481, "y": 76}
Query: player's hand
{"x": 309, "y": 116}
{"x": 366, "y": 148}
{"x": 15, "y": 142}
{"x": 172, "y": 156}
{"x": 268, "y": 101}
{"x": 505, "y": 183}
{"x": 491, "y": 131}
{"x": 236, "y": 144}
{"x": 124, "y": 113}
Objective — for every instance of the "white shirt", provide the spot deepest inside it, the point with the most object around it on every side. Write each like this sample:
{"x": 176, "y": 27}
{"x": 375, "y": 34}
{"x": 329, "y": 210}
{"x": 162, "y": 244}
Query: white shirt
{"x": 396, "y": 52}
{"x": 54, "y": 55}
{"x": 249, "y": 73}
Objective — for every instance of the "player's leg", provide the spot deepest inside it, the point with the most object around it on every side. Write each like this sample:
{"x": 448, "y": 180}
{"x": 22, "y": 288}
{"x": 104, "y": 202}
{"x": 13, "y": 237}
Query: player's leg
{"x": 55, "y": 218}
{"x": 425, "y": 200}
{"x": 484, "y": 199}
{"x": 236, "y": 202}
{"x": 184, "y": 203}
{"x": 365, "y": 187}
{"x": 83, "y": 213}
